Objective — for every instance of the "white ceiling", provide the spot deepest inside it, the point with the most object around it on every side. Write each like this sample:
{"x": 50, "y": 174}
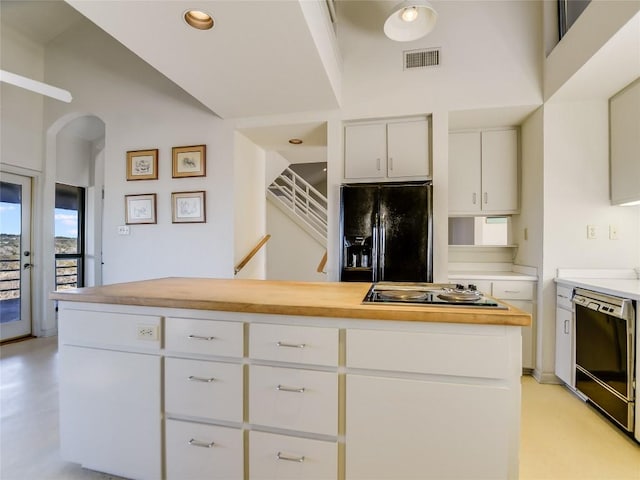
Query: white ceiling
{"x": 259, "y": 59}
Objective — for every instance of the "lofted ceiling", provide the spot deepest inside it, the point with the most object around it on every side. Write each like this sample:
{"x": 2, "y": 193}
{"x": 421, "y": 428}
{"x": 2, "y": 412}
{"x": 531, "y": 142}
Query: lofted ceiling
{"x": 260, "y": 58}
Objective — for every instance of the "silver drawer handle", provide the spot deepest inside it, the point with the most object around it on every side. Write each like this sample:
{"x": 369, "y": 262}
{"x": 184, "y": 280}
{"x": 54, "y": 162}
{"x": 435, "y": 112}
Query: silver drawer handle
{"x": 281, "y": 388}
{"x": 290, "y": 345}
{"x": 200, "y": 443}
{"x": 280, "y": 456}
{"x": 512, "y": 291}
{"x": 201, "y": 379}
{"x": 200, "y": 337}
{"x": 563, "y": 296}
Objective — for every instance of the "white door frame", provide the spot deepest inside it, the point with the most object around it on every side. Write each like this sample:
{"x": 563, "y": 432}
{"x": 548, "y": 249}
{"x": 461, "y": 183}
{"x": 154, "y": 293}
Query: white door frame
{"x": 23, "y": 326}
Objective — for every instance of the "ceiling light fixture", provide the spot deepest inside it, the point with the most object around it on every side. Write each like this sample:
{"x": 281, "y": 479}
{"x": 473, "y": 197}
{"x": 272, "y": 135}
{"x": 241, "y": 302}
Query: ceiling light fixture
{"x": 410, "y": 20}
{"x": 295, "y": 141}
{"x": 198, "y": 19}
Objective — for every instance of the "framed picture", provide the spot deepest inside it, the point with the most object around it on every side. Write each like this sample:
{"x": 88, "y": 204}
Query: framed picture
{"x": 140, "y": 208}
{"x": 188, "y": 207}
{"x": 189, "y": 161}
{"x": 142, "y": 165}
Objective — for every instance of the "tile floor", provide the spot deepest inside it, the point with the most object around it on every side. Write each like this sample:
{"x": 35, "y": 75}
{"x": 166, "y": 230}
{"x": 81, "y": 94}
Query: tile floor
{"x": 562, "y": 437}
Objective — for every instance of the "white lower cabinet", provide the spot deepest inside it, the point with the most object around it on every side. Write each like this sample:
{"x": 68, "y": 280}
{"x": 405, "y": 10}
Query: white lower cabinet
{"x": 199, "y": 451}
{"x": 413, "y": 429}
{"x": 318, "y": 399}
{"x": 276, "y": 457}
{"x": 295, "y": 399}
{"x": 565, "y": 350}
{"x": 521, "y": 294}
{"x": 198, "y": 388}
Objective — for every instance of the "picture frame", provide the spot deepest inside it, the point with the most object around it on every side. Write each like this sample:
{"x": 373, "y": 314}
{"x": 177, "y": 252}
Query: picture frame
{"x": 188, "y": 207}
{"x": 140, "y": 209}
{"x": 189, "y": 161}
{"x": 142, "y": 164}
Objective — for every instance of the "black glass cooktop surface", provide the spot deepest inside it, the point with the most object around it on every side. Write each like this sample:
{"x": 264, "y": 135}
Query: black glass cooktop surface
{"x": 432, "y": 294}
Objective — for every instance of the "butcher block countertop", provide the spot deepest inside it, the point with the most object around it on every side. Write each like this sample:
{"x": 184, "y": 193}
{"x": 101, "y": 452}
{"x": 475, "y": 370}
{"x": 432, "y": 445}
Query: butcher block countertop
{"x": 321, "y": 299}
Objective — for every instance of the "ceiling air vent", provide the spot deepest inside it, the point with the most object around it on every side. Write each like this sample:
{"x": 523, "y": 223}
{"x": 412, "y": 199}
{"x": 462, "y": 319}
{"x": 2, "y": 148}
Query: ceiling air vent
{"x": 429, "y": 57}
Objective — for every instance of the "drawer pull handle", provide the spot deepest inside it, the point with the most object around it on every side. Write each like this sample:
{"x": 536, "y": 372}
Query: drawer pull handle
{"x": 290, "y": 345}
{"x": 566, "y": 327}
{"x": 512, "y": 291}
{"x": 282, "y": 388}
{"x": 200, "y": 443}
{"x": 200, "y": 337}
{"x": 288, "y": 458}
{"x": 201, "y": 379}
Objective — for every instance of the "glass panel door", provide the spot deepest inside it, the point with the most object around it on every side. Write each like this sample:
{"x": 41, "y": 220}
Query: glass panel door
{"x": 15, "y": 256}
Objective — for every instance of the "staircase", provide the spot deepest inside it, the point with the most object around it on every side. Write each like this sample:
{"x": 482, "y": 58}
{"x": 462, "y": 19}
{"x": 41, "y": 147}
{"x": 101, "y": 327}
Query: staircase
{"x": 301, "y": 202}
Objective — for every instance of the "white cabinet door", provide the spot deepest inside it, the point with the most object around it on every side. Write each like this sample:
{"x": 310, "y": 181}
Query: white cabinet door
{"x": 528, "y": 334}
{"x": 294, "y": 399}
{"x": 409, "y": 429}
{"x": 565, "y": 360}
{"x": 408, "y": 149}
{"x": 464, "y": 172}
{"x": 280, "y": 457}
{"x": 499, "y": 171}
{"x": 624, "y": 118}
{"x": 110, "y": 414}
{"x": 199, "y": 451}
{"x": 365, "y": 151}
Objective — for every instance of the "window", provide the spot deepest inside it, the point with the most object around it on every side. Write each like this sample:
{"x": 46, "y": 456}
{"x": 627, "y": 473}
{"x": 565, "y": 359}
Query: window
{"x": 69, "y": 236}
{"x": 568, "y": 12}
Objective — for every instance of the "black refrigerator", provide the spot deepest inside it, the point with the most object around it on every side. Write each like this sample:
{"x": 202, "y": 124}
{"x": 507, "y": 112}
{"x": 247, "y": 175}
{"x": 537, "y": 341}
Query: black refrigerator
{"x": 386, "y": 232}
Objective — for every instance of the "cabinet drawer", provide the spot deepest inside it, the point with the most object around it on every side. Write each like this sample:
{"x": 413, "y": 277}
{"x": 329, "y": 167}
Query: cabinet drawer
{"x": 203, "y": 389}
{"x": 433, "y": 353}
{"x": 195, "y": 450}
{"x": 290, "y": 343}
{"x": 513, "y": 290}
{"x": 208, "y": 337}
{"x": 275, "y": 457}
{"x": 294, "y": 399}
{"x": 563, "y": 297}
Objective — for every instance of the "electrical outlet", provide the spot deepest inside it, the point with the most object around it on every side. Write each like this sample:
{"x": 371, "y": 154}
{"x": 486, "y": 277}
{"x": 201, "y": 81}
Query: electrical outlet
{"x": 147, "y": 332}
{"x": 123, "y": 230}
{"x": 613, "y": 232}
{"x": 591, "y": 232}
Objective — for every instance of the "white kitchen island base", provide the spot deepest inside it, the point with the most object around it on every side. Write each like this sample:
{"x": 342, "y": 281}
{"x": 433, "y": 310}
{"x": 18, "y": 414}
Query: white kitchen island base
{"x": 361, "y": 399}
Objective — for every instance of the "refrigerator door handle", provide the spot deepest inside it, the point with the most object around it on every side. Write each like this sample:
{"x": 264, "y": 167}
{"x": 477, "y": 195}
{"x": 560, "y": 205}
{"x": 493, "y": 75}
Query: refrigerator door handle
{"x": 381, "y": 253}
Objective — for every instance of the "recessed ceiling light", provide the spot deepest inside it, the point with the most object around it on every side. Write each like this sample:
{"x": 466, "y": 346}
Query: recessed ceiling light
{"x": 295, "y": 141}
{"x": 198, "y": 19}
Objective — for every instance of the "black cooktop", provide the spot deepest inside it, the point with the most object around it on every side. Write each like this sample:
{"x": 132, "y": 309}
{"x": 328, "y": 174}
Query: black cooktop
{"x": 432, "y": 294}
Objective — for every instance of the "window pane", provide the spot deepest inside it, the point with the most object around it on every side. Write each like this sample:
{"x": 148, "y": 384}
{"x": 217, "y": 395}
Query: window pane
{"x": 66, "y": 231}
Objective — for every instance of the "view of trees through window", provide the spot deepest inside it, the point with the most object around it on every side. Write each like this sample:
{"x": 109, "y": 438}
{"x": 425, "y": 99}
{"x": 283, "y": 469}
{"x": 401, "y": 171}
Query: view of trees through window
{"x": 69, "y": 240}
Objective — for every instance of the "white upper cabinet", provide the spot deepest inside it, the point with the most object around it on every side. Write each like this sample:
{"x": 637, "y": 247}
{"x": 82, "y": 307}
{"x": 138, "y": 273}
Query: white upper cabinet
{"x": 387, "y": 150}
{"x": 483, "y": 172}
{"x": 624, "y": 117}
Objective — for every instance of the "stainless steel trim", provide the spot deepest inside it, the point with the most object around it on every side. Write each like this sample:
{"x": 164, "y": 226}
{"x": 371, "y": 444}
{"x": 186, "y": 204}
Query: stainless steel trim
{"x": 288, "y": 458}
{"x": 199, "y": 443}
{"x": 383, "y": 246}
{"x": 200, "y": 337}
{"x": 290, "y": 345}
{"x": 193, "y": 378}
{"x": 282, "y": 388}
{"x": 601, "y": 383}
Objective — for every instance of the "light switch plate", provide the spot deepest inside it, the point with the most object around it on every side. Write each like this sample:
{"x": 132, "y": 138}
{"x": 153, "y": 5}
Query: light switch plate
{"x": 123, "y": 230}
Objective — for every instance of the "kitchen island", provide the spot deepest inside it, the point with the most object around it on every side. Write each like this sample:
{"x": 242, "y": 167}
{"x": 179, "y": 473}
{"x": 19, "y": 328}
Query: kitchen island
{"x": 234, "y": 379}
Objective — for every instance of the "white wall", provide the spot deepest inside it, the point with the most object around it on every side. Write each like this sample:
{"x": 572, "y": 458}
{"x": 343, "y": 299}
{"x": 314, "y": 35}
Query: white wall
{"x": 21, "y": 135}
{"x": 576, "y": 194}
{"x": 73, "y": 160}
{"x": 249, "y": 205}
{"x": 292, "y": 254}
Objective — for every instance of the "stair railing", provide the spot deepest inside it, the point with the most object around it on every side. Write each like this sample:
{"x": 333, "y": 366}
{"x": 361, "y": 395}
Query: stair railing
{"x": 247, "y": 258}
{"x": 302, "y": 199}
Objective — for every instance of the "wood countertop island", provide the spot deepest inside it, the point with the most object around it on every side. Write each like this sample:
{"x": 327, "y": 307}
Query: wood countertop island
{"x": 179, "y": 378}
{"x": 321, "y": 299}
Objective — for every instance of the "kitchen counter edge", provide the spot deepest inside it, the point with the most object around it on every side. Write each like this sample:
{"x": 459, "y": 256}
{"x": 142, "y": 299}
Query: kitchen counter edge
{"x": 318, "y": 299}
